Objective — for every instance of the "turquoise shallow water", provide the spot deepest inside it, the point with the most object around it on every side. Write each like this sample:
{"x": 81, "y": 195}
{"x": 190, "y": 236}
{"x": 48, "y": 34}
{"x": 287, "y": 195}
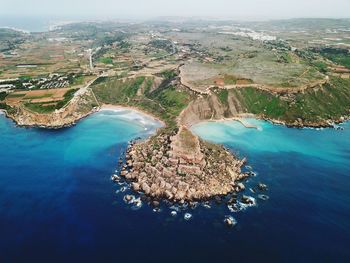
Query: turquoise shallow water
{"x": 58, "y": 204}
{"x": 308, "y": 172}
{"x": 326, "y": 144}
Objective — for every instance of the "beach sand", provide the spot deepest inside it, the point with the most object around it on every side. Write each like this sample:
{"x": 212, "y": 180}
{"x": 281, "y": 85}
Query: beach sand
{"x": 134, "y": 115}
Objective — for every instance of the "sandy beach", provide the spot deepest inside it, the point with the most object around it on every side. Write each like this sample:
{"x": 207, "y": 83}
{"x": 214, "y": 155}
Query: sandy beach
{"x": 110, "y": 107}
{"x": 135, "y": 115}
{"x": 239, "y": 118}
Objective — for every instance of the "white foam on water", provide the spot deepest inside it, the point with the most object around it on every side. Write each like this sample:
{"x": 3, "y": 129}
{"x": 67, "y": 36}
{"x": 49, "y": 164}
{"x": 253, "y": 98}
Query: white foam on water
{"x": 173, "y": 213}
{"x": 176, "y": 208}
{"x": 206, "y": 205}
{"x": 129, "y": 201}
{"x": 133, "y": 116}
{"x": 230, "y": 219}
{"x": 136, "y": 204}
{"x": 239, "y": 206}
{"x": 123, "y": 189}
{"x": 263, "y": 197}
{"x": 187, "y": 216}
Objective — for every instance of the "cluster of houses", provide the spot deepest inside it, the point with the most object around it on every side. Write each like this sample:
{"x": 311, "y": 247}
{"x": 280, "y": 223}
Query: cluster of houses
{"x": 7, "y": 84}
{"x": 53, "y": 82}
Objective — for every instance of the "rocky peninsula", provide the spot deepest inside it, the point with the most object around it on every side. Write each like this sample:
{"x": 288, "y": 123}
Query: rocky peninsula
{"x": 78, "y": 108}
{"x": 179, "y": 167}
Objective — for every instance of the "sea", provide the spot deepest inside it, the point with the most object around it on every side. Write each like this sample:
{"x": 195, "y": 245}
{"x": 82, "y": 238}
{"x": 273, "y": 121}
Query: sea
{"x": 35, "y": 24}
{"x": 59, "y": 204}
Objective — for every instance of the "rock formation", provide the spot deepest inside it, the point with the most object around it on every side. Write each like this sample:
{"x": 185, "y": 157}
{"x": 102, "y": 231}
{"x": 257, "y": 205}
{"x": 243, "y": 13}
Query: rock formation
{"x": 180, "y": 167}
{"x": 78, "y": 108}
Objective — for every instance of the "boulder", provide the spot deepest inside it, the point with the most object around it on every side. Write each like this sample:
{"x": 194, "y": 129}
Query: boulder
{"x": 168, "y": 194}
{"x": 146, "y": 188}
{"x": 129, "y": 163}
{"x": 189, "y": 169}
{"x": 180, "y": 195}
{"x": 129, "y": 198}
{"x": 168, "y": 186}
{"x": 262, "y": 187}
{"x": 174, "y": 190}
{"x": 240, "y": 187}
{"x": 162, "y": 184}
{"x": 136, "y": 186}
{"x": 247, "y": 200}
{"x": 155, "y": 203}
{"x": 230, "y": 221}
{"x": 123, "y": 173}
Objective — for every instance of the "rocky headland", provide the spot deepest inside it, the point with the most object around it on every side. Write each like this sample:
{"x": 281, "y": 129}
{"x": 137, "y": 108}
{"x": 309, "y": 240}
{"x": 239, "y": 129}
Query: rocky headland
{"x": 179, "y": 167}
{"x": 209, "y": 107}
{"x": 78, "y": 108}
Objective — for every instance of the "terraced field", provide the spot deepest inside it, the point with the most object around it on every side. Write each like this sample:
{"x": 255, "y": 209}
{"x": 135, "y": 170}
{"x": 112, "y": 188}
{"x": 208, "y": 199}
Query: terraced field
{"x": 41, "y": 101}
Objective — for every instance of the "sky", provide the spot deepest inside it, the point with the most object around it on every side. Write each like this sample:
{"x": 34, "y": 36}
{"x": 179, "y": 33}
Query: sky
{"x": 233, "y": 9}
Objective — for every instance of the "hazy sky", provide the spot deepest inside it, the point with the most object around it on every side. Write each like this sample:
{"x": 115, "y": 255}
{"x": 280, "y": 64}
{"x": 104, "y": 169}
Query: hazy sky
{"x": 153, "y": 8}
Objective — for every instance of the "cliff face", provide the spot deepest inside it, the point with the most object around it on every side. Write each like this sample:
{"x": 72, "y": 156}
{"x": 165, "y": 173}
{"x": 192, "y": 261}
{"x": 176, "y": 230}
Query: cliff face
{"x": 78, "y": 108}
{"x": 319, "y": 107}
{"x": 209, "y": 107}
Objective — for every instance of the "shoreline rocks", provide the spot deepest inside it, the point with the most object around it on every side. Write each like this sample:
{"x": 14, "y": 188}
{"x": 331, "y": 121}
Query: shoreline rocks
{"x": 230, "y": 221}
{"x": 77, "y": 109}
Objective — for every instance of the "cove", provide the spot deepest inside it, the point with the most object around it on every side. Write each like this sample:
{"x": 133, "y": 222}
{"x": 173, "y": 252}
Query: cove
{"x": 58, "y": 204}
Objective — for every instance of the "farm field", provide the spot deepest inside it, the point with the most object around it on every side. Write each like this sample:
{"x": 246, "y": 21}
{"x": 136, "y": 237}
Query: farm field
{"x": 41, "y": 101}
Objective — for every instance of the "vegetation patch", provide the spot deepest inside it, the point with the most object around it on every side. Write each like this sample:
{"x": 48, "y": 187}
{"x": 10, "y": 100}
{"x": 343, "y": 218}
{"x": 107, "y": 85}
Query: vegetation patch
{"x": 337, "y": 55}
{"x": 2, "y": 95}
{"x": 162, "y": 44}
{"x": 230, "y": 80}
{"x": 331, "y": 101}
{"x": 106, "y": 60}
{"x": 223, "y": 96}
{"x": 16, "y": 95}
{"x": 166, "y": 102}
{"x": 168, "y": 74}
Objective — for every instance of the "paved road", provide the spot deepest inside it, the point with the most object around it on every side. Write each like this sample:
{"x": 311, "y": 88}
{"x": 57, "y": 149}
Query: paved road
{"x": 83, "y": 90}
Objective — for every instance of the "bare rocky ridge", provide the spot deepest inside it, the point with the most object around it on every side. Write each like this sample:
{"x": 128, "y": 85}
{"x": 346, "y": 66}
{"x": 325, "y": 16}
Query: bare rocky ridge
{"x": 208, "y": 107}
{"x": 180, "y": 167}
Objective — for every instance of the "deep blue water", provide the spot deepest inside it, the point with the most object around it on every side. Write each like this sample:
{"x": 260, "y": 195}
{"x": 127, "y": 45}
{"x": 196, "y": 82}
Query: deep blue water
{"x": 58, "y": 204}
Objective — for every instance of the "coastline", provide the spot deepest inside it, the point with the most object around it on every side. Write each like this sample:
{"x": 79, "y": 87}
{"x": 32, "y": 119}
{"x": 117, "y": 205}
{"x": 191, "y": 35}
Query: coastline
{"x": 240, "y": 118}
{"x": 111, "y": 107}
{"x": 48, "y": 126}
{"x": 104, "y": 107}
